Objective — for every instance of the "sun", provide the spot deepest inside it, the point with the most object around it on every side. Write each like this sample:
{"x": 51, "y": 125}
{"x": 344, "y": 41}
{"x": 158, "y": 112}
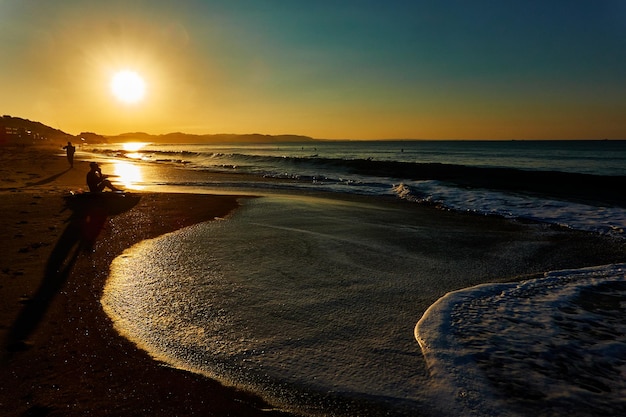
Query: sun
{"x": 128, "y": 86}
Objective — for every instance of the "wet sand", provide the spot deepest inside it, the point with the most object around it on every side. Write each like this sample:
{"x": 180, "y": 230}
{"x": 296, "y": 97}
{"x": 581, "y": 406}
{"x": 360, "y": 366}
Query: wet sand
{"x": 60, "y": 354}
{"x": 71, "y": 362}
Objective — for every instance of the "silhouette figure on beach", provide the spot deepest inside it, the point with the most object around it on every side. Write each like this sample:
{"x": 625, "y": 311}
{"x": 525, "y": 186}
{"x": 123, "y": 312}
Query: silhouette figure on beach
{"x": 97, "y": 181}
{"x": 69, "y": 150}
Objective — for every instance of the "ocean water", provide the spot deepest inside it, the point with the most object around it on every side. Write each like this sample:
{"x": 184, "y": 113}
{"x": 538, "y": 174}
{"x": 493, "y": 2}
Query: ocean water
{"x": 337, "y": 306}
{"x": 577, "y": 184}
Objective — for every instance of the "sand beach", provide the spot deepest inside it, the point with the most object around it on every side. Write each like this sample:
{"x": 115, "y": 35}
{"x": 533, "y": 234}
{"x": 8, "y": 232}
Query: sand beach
{"x": 60, "y": 352}
{"x": 72, "y": 362}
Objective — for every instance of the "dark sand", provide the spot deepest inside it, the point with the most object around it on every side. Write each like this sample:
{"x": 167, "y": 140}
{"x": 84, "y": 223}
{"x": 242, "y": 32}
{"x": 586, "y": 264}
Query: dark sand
{"x": 73, "y": 363}
{"x": 60, "y": 354}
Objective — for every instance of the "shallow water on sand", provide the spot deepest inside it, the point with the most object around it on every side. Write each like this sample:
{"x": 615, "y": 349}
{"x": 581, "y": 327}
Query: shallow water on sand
{"x": 310, "y": 302}
{"x": 294, "y": 301}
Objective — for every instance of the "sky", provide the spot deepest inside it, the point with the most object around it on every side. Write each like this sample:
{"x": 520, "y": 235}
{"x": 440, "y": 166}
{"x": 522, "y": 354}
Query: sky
{"x": 366, "y": 69}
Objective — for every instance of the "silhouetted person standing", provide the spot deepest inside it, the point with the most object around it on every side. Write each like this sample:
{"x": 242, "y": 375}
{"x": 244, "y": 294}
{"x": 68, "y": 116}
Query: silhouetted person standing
{"x": 96, "y": 181}
{"x": 69, "y": 150}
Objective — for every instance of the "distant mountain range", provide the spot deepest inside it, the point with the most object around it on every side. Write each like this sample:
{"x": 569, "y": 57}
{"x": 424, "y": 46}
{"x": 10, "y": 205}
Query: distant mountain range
{"x": 18, "y": 131}
{"x": 179, "y": 137}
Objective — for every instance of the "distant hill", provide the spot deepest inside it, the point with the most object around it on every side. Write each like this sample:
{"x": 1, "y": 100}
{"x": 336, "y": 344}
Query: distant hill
{"x": 18, "y": 131}
{"x": 179, "y": 137}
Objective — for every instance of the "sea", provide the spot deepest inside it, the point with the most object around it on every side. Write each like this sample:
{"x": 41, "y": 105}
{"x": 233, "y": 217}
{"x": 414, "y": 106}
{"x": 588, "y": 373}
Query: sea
{"x": 318, "y": 297}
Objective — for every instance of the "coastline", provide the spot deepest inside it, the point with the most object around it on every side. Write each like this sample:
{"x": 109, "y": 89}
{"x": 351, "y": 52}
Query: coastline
{"x": 74, "y": 362}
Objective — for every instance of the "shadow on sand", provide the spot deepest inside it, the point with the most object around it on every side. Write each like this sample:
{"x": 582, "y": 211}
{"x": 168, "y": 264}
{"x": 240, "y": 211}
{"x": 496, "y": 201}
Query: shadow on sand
{"x": 89, "y": 213}
{"x": 46, "y": 180}
{"x": 37, "y": 183}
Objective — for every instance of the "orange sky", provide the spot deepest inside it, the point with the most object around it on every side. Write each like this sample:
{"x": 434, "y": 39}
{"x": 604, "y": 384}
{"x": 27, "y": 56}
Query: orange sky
{"x": 454, "y": 70}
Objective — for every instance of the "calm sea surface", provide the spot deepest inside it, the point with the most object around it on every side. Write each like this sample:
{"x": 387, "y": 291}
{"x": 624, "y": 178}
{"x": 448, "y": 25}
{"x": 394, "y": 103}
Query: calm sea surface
{"x": 316, "y": 303}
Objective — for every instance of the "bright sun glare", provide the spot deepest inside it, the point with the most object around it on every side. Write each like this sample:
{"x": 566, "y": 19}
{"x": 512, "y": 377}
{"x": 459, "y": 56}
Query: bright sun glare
{"x": 128, "y": 175}
{"x": 128, "y": 86}
{"x": 133, "y": 146}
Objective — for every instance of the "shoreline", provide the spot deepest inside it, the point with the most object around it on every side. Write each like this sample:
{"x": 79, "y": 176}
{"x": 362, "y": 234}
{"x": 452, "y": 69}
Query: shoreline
{"x": 74, "y": 362}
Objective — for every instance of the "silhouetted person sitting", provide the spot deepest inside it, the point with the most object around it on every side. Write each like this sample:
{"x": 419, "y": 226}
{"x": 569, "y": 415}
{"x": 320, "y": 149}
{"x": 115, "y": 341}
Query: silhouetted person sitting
{"x": 97, "y": 181}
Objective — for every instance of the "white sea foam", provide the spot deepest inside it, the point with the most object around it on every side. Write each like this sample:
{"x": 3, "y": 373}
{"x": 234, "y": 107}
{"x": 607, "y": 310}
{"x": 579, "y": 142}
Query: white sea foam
{"x": 548, "y": 346}
{"x": 578, "y": 216}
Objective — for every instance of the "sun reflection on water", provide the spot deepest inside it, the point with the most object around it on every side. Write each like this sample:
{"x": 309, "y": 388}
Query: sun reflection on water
{"x": 131, "y": 149}
{"x": 133, "y": 146}
{"x": 128, "y": 175}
